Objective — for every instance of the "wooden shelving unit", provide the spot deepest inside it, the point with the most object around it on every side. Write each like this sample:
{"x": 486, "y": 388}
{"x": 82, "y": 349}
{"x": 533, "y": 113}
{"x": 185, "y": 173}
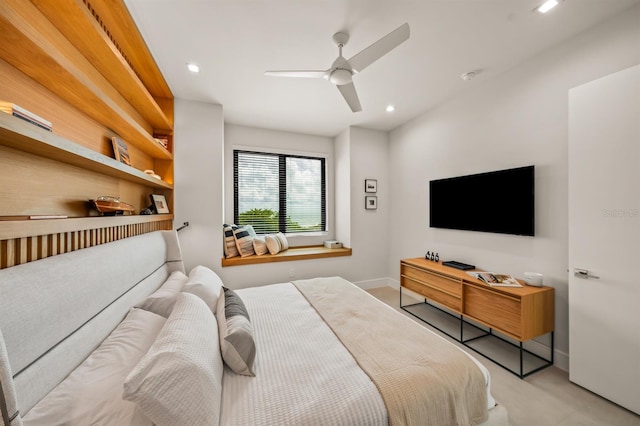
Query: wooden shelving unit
{"x": 18, "y": 134}
{"x": 65, "y": 67}
{"x": 83, "y": 65}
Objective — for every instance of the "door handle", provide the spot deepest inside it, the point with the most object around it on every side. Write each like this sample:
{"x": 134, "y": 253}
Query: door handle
{"x": 584, "y": 274}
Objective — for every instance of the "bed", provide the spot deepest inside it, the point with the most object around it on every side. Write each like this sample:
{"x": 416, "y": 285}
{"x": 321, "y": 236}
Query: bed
{"x": 89, "y": 337}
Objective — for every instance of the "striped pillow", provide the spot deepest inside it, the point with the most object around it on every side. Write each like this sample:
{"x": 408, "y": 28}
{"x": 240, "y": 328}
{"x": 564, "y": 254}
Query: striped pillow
{"x": 244, "y": 241}
{"x": 235, "y": 332}
{"x": 230, "y": 249}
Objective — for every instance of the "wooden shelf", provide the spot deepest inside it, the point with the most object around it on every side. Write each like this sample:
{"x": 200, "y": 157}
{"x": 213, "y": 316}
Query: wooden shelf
{"x": 92, "y": 38}
{"x": 294, "y": 253}
{"x": 18, "y": 134}
{"x": 33, "y": 45}
{"x": 11, "y": 229}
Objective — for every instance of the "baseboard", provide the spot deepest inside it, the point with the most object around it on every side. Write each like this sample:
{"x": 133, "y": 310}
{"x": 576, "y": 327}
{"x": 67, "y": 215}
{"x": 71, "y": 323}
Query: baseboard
{"x": 560, "y": 358}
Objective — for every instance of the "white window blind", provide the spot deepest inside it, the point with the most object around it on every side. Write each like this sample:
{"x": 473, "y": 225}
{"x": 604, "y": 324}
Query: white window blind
{"x": 279, "y": 192}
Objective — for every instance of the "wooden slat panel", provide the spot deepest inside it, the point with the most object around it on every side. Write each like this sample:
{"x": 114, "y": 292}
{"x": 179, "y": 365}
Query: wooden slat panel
{"x": 49, "y": 237}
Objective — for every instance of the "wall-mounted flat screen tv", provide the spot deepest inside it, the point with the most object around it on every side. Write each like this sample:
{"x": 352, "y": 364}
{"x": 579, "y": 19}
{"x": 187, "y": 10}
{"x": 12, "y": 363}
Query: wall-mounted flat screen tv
{"x": 500, "y": 201}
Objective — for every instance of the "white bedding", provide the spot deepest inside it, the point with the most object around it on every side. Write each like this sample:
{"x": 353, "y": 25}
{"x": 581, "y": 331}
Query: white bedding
{"x": 296, "y": 383}
{"x": 92, "y": 393}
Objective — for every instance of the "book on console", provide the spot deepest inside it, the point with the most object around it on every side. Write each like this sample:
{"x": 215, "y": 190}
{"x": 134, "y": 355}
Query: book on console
{"x": 496, "y": 280}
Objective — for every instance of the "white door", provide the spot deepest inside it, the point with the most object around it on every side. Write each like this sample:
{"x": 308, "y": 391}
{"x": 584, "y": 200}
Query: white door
{"x": 604, "y": 237}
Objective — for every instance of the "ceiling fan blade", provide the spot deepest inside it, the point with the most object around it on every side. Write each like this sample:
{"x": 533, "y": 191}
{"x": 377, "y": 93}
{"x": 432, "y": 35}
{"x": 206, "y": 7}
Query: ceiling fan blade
{"x": 349, "y": 94}
{"x": 380, "y": 48}
{"x": 303, "y": 74}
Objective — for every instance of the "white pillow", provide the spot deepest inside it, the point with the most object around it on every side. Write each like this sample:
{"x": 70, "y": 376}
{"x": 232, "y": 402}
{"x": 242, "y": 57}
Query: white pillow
{"x": 260, "y": 246}
{"x": 179, "y": 381}
{"x": 162, "y": 300}
{"x": 92, "y": 393}
{"x": 284, "y": 244}
{"x": 205, "y": 284}
{"x": 273, "y": 244}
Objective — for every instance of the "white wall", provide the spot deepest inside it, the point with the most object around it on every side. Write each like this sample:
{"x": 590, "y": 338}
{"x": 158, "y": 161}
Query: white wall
{"x": 369, "y": 159}
{"x": 343, "y": 184}
{"x": 198, "y": 141}
{"x": 515, "y": 119}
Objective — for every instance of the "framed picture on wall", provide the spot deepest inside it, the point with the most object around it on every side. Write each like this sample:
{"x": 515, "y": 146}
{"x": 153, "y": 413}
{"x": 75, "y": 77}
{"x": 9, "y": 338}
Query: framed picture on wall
{"x": 371, "y": 202}
{"x": 159, "y": 203}
{"x": 371, "y": 185}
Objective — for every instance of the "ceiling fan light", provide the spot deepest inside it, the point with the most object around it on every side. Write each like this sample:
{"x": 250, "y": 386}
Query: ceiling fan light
{"x": 340, "y": 77}
{"x": 547, "y": 6}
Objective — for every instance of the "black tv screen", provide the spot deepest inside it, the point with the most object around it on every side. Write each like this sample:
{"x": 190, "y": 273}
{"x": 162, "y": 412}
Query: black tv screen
{"x": 501, "y": 201}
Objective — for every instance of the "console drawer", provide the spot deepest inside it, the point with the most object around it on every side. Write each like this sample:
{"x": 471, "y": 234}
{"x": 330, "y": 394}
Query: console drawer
{"x": 431, "y": 293}
{"x": 437, "y": 281}
{"x": 498, "y": 311}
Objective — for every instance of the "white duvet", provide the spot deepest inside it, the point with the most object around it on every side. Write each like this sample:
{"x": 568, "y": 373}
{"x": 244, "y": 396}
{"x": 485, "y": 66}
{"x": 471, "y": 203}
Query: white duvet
{"x": 304, "y": 376}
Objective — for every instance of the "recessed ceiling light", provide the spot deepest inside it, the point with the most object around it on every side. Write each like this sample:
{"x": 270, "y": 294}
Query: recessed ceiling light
{"x": 390, "y": 108}
{"x": 194, "y": 68}
{"x": 547, "y": 6}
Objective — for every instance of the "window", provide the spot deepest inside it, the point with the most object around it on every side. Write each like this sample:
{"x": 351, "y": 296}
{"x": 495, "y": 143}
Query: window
{"x": 279, "y": 192}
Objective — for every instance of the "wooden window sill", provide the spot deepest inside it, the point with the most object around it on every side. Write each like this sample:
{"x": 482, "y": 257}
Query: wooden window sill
{"x": 294, "y": 253}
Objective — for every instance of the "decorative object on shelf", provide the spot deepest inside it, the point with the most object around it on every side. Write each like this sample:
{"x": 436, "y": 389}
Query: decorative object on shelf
{"x": 332, "y": 244}
{"x": 159, "y": 203}
{"x": 26, "y": 115}
{"x": 371, "y": 202}
{"x": 152, "y": 173}
{"x": 162, "y": 140}
{"x": 533, "y": 279}
{"x": 120, "y": 150}
{"x": 371, "y": 186}
{"x": 432, "y": 256}
{"x": 111, "y": 206}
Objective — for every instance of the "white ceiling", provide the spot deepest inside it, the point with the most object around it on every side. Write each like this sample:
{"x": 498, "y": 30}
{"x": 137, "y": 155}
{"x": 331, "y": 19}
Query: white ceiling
{"x": 235, "y": 41}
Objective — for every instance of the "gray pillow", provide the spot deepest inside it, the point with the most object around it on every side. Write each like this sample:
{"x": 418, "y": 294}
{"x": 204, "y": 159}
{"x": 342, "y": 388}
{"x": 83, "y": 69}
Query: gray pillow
{"x": 236, "y": 334}
{"x": 162, "y": 300}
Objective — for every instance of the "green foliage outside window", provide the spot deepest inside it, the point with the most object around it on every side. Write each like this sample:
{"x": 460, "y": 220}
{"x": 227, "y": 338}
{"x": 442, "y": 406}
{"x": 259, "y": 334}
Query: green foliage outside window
{"x": 265, "y": 221}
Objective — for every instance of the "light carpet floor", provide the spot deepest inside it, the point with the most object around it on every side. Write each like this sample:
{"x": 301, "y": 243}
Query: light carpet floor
{"x": 545, "y": 398}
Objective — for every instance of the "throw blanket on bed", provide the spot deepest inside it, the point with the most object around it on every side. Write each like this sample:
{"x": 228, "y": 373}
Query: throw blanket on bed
{"x": 423, "y": 379}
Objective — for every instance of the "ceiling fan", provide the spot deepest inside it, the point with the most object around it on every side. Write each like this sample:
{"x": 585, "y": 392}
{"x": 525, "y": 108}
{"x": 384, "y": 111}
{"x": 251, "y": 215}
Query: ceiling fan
{"x": 342, "y": 70}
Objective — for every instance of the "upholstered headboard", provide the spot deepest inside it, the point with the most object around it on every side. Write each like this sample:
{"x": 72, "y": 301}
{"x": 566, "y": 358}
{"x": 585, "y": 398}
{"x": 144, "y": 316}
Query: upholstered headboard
{"x": 54, "y": 312}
